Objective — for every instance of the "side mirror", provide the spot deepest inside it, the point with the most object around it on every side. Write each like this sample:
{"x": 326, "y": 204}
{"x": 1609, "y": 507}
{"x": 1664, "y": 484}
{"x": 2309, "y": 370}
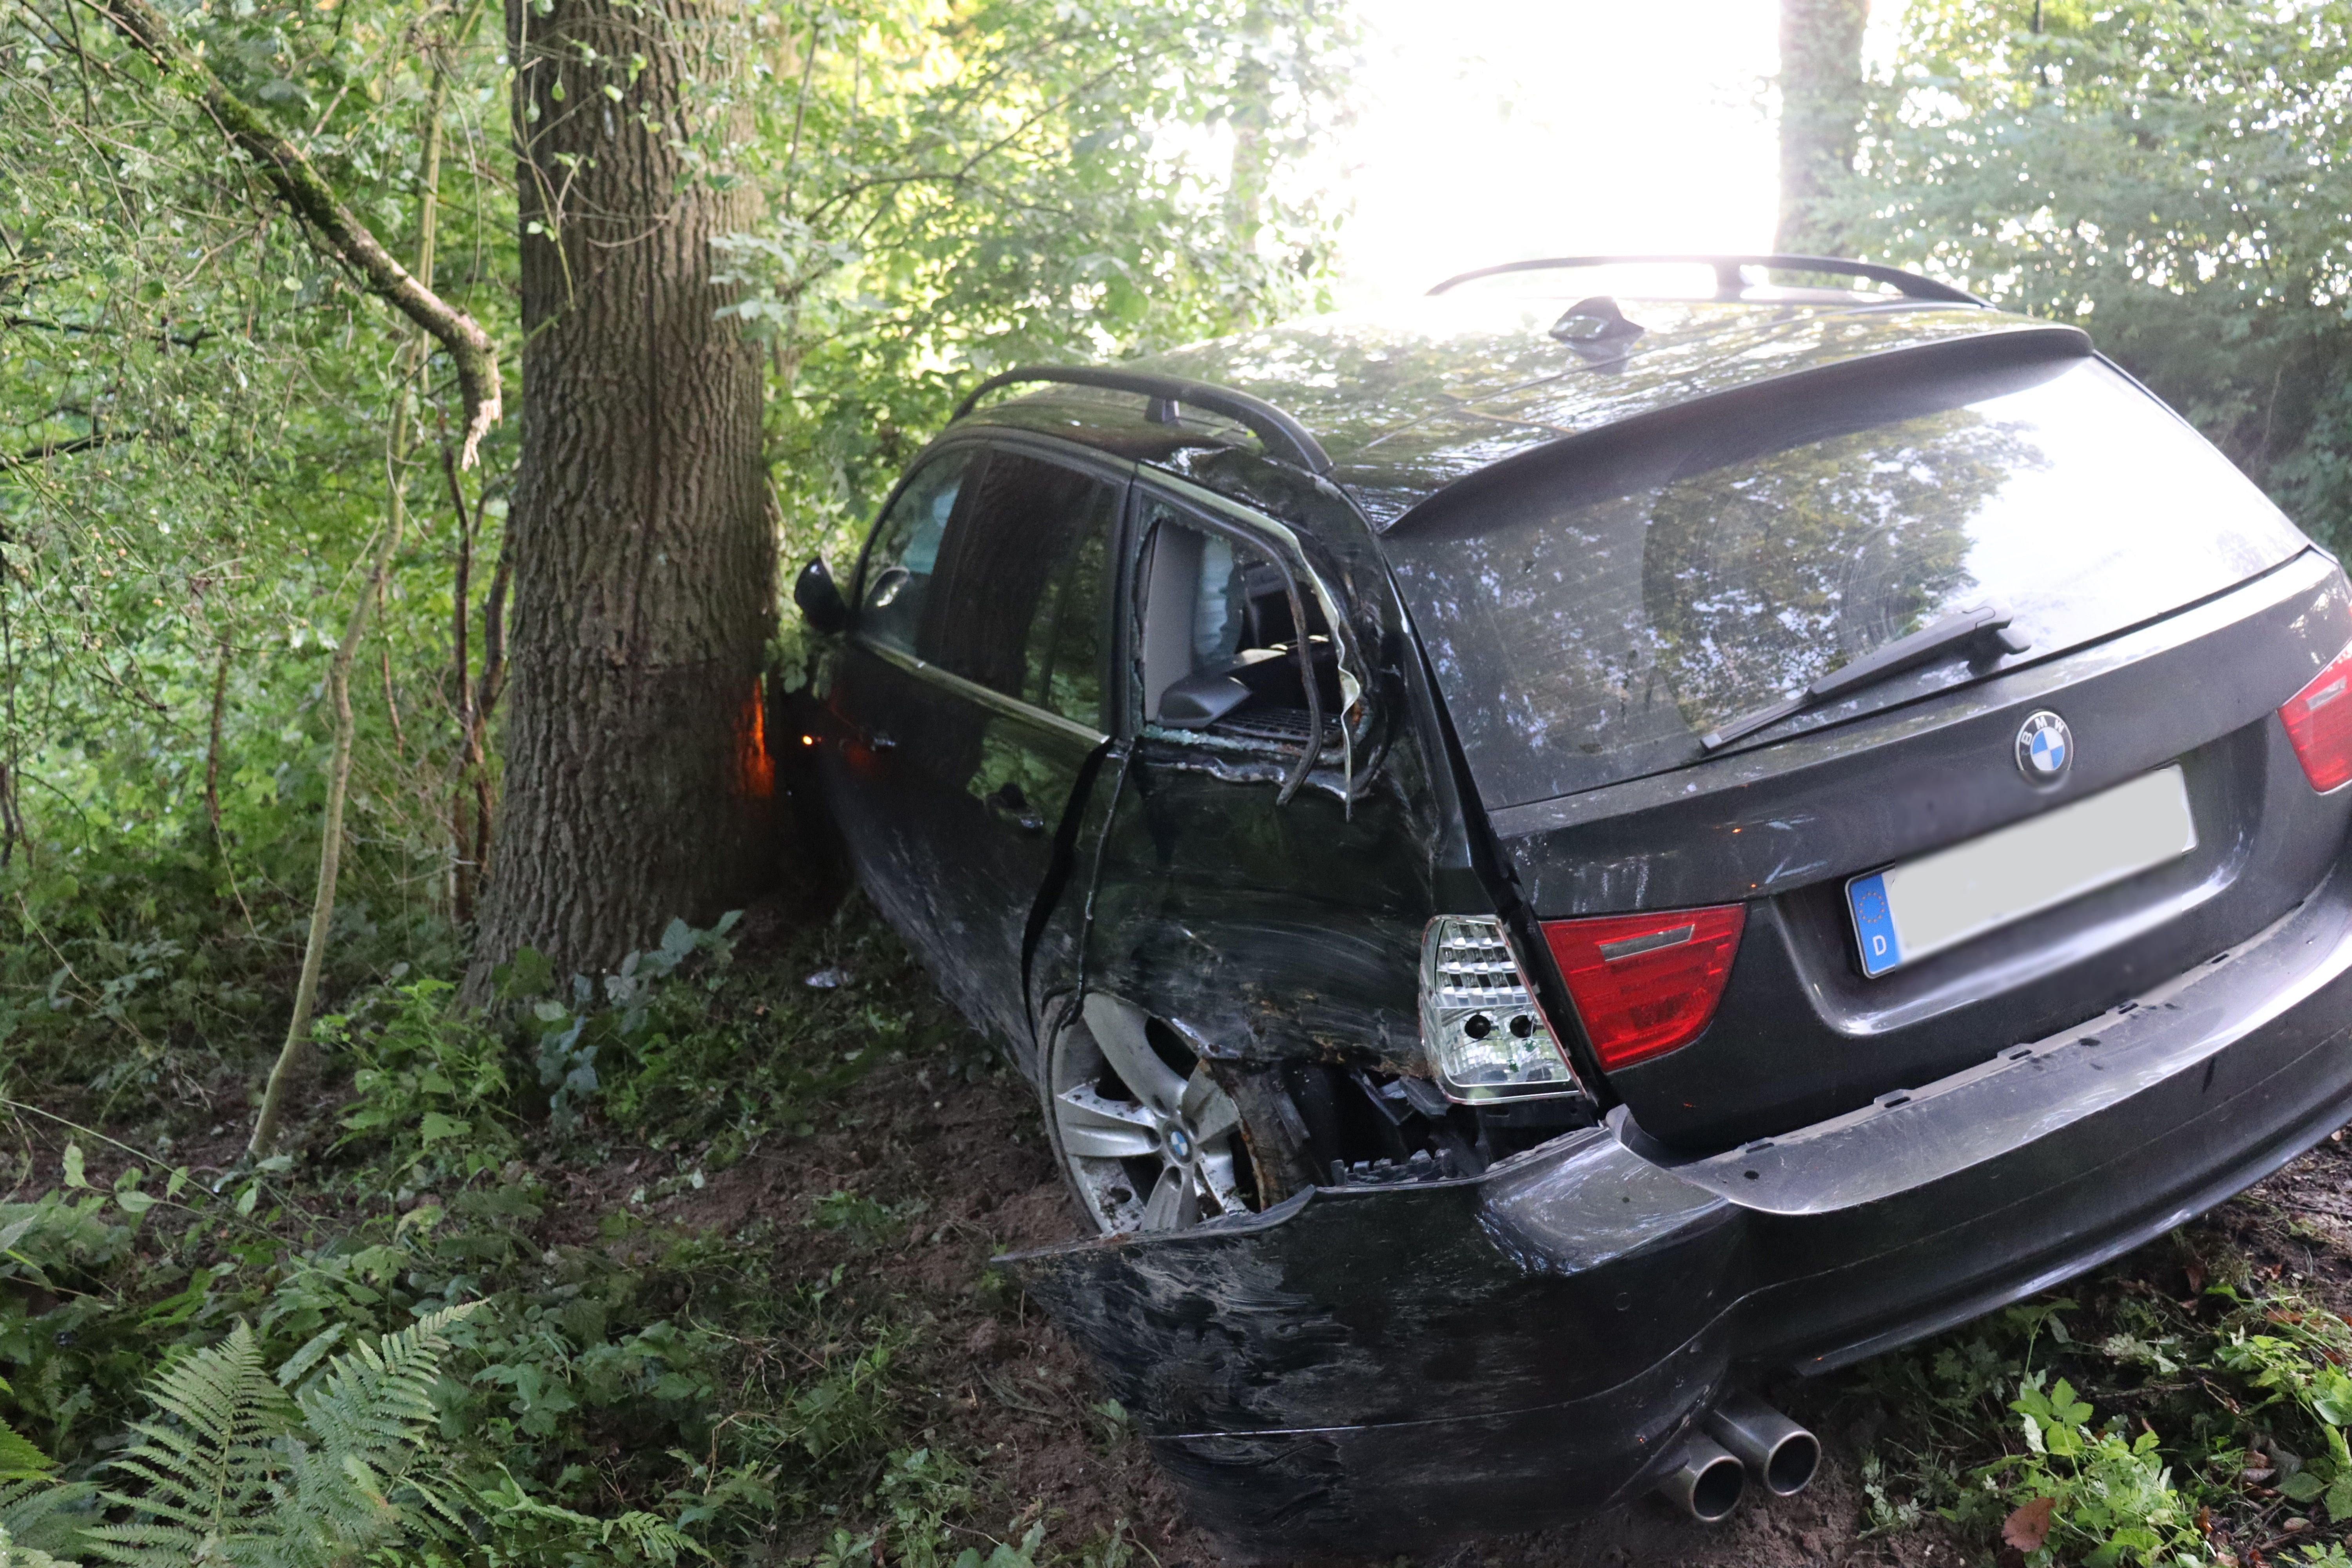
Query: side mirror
{"x": 822, "y": 606}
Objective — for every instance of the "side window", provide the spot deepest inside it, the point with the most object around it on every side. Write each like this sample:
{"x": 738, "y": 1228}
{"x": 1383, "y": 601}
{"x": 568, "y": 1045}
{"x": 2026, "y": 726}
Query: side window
{"x": 1219, "y": 645}
{"x": 1021, "y": 607}
{"x": 894, "y": 582}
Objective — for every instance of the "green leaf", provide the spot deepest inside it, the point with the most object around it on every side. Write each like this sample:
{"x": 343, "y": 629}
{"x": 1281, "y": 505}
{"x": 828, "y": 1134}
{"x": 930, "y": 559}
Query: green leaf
{"x": 435, "y": 1127}
{"x": 74, "y": 1177}
{"x": 2302, "y": 1485}
{"x": 134, "y": 1203}
{"x": 2331, "y": 1396}
{"x": 248, "y": 1198}
{"x": 313, "y": 1351}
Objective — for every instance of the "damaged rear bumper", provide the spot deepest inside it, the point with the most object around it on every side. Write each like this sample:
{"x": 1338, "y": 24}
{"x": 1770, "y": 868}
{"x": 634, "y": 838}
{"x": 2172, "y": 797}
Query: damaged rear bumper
{"x": 1380, "y": 1368}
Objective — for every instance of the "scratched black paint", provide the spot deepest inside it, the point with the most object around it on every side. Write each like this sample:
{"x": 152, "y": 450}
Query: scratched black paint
{"x": 1415, "y": 1365}
{"x": 1413, "y": 1362}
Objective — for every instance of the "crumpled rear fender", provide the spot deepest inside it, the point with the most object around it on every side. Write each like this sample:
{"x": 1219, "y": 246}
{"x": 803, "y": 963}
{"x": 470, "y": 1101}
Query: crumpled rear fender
{"x": 1373, "y": 1368}
{"x": 1371, "y": 1359}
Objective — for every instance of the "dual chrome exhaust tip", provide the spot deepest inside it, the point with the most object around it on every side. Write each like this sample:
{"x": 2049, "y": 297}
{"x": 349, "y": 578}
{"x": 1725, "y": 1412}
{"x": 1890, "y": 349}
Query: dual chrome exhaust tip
{"x": 1743, "y": 1439}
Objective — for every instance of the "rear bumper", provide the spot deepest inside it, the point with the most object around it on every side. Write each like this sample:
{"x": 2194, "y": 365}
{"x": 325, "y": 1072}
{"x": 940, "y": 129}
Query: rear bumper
{"x": 1399, "y": 1366}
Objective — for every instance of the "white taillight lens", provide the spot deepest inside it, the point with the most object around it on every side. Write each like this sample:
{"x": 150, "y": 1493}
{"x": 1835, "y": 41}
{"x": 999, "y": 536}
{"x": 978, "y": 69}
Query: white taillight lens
{"x": 1479, "y": 1021}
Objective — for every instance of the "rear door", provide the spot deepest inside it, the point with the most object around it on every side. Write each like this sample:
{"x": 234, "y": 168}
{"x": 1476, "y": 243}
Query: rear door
{"x": 975, "y": 690}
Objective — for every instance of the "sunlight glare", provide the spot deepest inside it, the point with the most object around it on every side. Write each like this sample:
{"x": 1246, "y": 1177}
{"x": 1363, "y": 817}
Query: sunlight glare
{"x": 1490, "y": 130}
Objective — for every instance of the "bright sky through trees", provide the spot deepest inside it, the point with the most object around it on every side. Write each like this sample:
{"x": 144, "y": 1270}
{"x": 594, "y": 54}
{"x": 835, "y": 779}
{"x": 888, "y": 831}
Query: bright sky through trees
{"x": 1491, "y": 130}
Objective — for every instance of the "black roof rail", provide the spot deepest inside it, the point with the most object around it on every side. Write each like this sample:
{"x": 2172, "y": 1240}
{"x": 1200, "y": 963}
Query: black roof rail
{"x": 1729, "y": 284}
{"x": 1286, "y": 439}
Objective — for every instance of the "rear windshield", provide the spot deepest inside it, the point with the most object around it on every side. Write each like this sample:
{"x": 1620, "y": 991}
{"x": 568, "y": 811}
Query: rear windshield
{"x": 1590, "y": 626}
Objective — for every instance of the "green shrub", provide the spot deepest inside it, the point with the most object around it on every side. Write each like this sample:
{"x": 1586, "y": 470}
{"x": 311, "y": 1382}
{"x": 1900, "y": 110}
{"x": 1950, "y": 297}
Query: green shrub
{"x": 432, "y": 1096}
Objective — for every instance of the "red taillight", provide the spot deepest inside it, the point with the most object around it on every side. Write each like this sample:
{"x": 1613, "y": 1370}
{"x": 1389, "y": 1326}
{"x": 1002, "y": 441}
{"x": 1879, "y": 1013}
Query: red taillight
{"x": 1646, "y": 985}
{"x": 2318, "y": 721}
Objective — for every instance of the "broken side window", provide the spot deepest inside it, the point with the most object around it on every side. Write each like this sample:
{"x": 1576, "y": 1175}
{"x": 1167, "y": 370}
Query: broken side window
{"x": 1220, "y": 643}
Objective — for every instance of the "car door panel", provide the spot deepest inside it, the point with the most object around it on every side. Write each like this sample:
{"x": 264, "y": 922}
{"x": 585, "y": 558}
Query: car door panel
{"x": 1265, "y": 930}
{"x": 957, "y": 771}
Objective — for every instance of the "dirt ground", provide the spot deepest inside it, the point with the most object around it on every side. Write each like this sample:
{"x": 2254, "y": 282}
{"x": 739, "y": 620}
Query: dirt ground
{"x": 965, "y": 1168}
{"x": 999, "y": 1381}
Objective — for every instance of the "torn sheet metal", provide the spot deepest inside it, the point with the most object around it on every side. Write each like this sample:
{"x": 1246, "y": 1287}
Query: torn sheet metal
{"x": 1410, "y": 1364}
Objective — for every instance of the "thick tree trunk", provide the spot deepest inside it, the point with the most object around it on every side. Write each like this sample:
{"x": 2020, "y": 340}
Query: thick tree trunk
{"x": 1820, "y": 107}
{"x": 643, "y": 551}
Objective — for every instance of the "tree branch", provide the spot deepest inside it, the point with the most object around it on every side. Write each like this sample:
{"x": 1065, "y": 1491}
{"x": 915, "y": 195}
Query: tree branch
{"x": 25, "y": 459}
{"x": 299, "y": 186}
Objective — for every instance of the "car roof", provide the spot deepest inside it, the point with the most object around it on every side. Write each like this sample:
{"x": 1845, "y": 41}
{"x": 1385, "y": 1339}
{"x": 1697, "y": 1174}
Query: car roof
{"x": 1411, "y": 400}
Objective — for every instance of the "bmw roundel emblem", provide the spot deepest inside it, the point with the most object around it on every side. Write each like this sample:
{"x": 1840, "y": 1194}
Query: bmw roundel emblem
{"x": 2045, "y": 748}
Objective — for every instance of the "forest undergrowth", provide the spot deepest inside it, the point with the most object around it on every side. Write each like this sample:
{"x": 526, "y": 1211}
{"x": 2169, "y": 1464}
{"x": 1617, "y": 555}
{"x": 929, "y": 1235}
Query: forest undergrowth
{"x": 690, "y": 1263}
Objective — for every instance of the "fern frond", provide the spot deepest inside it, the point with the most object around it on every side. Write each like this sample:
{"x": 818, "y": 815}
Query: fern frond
{"x": 378, "y": 1397}
{"x": 511, "y": 1511}
{"x": 19, "y": 1459}
{"x": 202, "y": 1477}
{"x": 45, "y": 1516}
{"x": 14, "y": 1554}
{"x": 367, "y": 1420}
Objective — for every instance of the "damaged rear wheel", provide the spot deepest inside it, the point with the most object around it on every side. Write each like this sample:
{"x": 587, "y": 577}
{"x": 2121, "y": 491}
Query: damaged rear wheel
{"x": 1146, "y": 1136}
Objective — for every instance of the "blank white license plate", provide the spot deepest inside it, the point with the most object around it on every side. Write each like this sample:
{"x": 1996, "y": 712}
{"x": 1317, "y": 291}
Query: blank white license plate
{"x": 1940, "y": 900}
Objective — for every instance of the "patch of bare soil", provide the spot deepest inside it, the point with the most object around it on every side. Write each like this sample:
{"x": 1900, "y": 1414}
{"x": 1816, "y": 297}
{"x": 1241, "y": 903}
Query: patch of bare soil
{"x": 2294, "y": 1228}
{"x": 1000, "y": 1386}
{"x": 967, "y": 1169}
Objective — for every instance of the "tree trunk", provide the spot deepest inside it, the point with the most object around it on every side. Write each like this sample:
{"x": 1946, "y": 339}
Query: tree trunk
{"x": 1820, "y": 108}
{"x": 643, "y": 551}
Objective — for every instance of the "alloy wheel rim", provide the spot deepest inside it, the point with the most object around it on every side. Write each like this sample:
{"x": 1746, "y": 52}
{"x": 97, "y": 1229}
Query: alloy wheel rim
{"x": 1148, "y": 1147}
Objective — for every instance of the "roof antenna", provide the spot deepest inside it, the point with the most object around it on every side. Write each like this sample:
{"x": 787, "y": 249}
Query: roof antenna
{"x": 1597, "y": 329}
{"x": 1163, "y": 411}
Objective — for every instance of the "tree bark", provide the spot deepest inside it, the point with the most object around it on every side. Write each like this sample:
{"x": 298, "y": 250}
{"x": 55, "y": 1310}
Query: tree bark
{"x": 1821, "y": 109}
{"x": 642, "y": 547}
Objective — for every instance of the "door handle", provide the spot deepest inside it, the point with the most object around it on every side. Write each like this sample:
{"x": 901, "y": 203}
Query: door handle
{"x": 1009, "y": 804}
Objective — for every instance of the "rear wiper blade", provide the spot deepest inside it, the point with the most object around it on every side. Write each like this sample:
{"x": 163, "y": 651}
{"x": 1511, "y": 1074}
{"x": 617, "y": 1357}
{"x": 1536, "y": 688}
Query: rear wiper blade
{"x": 1986, "y": 624}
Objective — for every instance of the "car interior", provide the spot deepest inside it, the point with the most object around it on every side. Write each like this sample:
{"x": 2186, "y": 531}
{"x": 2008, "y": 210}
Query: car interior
{"x": 1219, "y": 647}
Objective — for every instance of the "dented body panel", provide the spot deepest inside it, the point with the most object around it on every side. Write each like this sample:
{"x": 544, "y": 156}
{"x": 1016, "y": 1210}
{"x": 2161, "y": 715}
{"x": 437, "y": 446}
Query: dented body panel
{"x": 1414, "y": 1365}
{"x": 1448, "y": 1318}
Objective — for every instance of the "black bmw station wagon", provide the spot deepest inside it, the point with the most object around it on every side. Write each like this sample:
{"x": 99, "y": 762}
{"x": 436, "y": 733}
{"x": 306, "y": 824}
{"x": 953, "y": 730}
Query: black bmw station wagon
{"x": 1554, "y": 854}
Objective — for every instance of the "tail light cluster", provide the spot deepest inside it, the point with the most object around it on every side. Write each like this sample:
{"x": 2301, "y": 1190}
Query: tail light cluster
{"x": 1641, "y": 985}
{"x": 1479, "y": 1020}
{"x": 2318, "y": 721}
{"x": 1646, "y": 985}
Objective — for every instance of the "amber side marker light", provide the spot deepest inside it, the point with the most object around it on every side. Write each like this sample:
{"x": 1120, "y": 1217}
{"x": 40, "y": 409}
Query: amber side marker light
{"x": 2318, "y": 721}
{"x": 1646, "y": 985}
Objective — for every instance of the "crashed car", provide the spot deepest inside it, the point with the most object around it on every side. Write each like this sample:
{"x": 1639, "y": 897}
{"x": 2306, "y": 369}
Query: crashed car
{"x": 1558, "y": 854}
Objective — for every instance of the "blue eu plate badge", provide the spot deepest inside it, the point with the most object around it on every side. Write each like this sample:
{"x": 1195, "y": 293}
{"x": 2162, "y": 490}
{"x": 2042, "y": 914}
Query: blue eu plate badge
{"x": 1873, "y": 924}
